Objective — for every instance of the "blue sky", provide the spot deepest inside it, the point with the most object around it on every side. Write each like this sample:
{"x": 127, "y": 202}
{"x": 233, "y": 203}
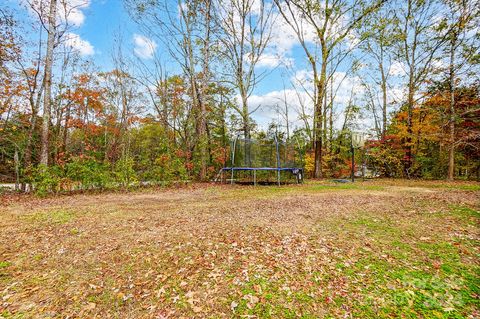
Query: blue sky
{"x": 95, "y": 24}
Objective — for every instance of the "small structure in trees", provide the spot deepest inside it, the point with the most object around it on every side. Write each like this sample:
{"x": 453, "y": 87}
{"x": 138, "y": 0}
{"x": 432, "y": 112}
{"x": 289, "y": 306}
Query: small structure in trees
{"x": 263, "y": 161}
{"x": 357, "y": 141}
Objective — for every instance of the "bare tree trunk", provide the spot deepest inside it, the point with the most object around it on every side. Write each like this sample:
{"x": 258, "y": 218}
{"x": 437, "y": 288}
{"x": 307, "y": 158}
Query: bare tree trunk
{"x": 48, "y": 82}
{"x": 203, "y": 110}
{"x": 28, "y": 148}
{"x": 245, "y": 118}
{"x": 318, "y": 140}
{"x": 287, "y": 122}
{"x": 33, "y": 122}
{"x": 85, "y": 126}
{"x": 330, "y": 117}
{"x": 325, "y": 118}
{"x": 384, "y": 100}
{"x": 410, "y": 104}
{"x": 451, "y": 150}
{"x": 17, "y": 169}
{"x": 408, "y": 140}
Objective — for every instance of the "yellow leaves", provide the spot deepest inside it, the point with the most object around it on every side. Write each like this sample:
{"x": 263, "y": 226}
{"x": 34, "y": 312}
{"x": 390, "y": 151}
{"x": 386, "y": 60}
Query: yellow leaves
{"x": 309, "y": 163}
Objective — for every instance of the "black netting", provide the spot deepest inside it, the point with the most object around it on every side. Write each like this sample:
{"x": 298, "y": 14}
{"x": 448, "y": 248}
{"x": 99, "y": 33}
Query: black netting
{"x": 264, "y": 153}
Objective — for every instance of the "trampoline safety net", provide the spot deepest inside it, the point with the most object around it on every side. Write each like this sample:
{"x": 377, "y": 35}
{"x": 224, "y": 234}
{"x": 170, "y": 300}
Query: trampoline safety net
{"x": 263, "y": 161}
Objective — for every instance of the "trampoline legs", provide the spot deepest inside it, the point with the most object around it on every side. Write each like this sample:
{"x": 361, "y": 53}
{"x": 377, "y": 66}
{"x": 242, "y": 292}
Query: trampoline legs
{"x": 278, "y": 177}
{"x": 255, "y": 177}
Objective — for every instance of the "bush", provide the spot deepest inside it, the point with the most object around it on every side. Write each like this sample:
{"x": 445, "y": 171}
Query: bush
{"x": 88, "y": 173}
{"x": 170, "y": 168}
{"x": 309, "y": 164}
{"x": 124, "y": 172}
{"x": 46, "y": 179}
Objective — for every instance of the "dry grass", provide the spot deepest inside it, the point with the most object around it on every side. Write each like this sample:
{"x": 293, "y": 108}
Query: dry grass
{"x": 320, "y": 250}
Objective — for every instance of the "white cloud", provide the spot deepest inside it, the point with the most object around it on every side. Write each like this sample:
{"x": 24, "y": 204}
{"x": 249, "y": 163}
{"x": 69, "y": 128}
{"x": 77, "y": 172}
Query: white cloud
{"x": 343, "y": 83}
{"x": 283, "y": 37}
{"x": 270, "y": 60}
{"x": 395, "y": 94}
{"x": 71, "y": 11}
{"x": 439, "y": 64}
{"x": 68, "y": 11}
{"x": 267, "y": 106}
{"x": 144, "y": 47}
{"x": 74, "y": 41}
{"x": 397, "y": 69}
{"x": 303, "y": 79}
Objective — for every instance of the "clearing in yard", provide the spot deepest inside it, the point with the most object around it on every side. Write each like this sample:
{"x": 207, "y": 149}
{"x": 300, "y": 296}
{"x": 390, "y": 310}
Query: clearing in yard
{"x": 377, "y": 249}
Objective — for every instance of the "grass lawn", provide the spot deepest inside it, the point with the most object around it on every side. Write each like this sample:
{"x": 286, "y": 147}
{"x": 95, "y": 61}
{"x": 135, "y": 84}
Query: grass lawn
{"x": 376, "y": 249}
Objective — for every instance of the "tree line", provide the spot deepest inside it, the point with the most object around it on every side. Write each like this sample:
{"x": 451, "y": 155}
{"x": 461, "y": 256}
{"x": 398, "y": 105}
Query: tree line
{"x": 66, "y": 123}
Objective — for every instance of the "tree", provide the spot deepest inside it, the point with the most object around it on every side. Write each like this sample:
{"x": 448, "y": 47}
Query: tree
{"x": 379, "y": 38}
{"x": 460, "y": 21}
{"x": 186, "y": 33}
{"x": 418, "y": 48}
{"x": 48, "y": 82}
{"x": 324, "y": 19}
{"x": 9, "y": 50}
{"x": 246, "y": 31}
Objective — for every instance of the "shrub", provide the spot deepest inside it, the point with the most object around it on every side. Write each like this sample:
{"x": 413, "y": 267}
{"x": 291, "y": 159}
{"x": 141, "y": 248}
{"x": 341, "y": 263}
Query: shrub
{"x": 46, "y": 179}
{"x": 124, "y": 172}
{"x": 309, "y": 164}
{"x": 169, "y": 168}
{"x": 88, "y": 173}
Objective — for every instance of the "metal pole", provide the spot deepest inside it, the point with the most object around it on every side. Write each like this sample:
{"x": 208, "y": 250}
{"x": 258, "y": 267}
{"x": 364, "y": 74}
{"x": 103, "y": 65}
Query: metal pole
{"x": 233, "y": 158}
{"x": 363, "y": 165}
{"x": 353, "y": 161}
{"x": 255, "y": 177}
{"x": 17, "y": 166}
{"x": 278, "y": 160}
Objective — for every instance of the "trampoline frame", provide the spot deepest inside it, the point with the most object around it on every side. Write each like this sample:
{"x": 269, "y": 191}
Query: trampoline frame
{"x": 296, "y": 171}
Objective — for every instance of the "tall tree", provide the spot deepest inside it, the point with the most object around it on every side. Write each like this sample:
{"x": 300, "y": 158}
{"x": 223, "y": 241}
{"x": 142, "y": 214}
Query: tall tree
{"x": 331, "y": 23}
{"x": 418, "y": 48}
{"x": 379, "y": 39}
{"x": 246, "y": 31}
{"x": 460, "y": 21}
{"x": 52, "y": 15}
{"x": 186, "y": 33}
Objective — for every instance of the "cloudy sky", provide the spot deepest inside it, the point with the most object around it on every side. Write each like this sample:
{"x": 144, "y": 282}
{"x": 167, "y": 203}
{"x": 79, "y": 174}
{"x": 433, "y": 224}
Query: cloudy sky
{"x": 96, "y": 23}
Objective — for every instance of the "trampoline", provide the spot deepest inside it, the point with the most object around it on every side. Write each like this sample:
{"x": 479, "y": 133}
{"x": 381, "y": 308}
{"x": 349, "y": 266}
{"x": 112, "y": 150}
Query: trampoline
{"x": 262, "y": 161}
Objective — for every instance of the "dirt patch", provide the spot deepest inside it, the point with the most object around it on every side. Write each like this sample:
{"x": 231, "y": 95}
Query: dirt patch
{"x": 217, "y": 251}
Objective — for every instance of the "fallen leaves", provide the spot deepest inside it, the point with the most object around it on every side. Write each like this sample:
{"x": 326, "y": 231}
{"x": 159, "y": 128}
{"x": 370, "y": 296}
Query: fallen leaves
{"x": 181, "y": 254}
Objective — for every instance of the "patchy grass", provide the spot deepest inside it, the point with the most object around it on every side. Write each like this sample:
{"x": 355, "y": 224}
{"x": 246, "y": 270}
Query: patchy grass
{"x": 56, "y": 216}
{"x": 459, "y": 186}
{"x": 376, "y": 249}
{"x": 340, "y": 186}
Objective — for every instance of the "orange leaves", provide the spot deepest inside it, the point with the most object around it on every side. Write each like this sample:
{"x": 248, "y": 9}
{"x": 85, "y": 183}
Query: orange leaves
{"x": 87, "y": 94}
{"x": 133, "y": 119}
{"x": 425, "y": 124}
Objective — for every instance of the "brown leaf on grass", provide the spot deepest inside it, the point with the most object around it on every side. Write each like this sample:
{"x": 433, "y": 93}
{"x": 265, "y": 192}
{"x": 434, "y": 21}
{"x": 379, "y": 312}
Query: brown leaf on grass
{"x": 90, "y": 306}
{"x": 183, "y": 253}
